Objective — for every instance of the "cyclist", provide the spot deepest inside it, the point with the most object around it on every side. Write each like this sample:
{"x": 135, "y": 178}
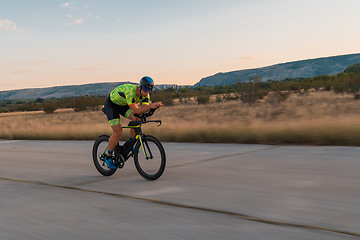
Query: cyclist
{"x": 123, "y": 101}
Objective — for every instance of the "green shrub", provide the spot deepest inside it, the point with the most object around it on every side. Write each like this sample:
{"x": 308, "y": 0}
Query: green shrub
{"x": 327, "y": 87}
{"x": 203, "y": 99}
{"x": 262, "y": 93}
{"x": 230, "y": 96}
{"x": 167, "y": 98}
{"x": 49, "y": 107}
{"x": 86, "y": 102}
{"x": 27, "y": 107}
{"x": 355, "y": 68}
{"x": 168, "y": 101}
{"x": 283, "y": 95}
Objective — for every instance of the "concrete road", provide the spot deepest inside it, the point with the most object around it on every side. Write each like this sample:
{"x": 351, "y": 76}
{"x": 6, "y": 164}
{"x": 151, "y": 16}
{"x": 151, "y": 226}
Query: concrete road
{"x": 51, "y": 190}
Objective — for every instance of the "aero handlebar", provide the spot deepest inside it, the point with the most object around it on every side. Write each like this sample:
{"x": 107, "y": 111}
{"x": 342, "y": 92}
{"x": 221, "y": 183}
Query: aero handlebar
{"x": 147, "y": 114}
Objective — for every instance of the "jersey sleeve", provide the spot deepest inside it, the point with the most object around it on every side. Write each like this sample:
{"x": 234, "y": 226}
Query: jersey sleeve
{"x": 130, "y": 100}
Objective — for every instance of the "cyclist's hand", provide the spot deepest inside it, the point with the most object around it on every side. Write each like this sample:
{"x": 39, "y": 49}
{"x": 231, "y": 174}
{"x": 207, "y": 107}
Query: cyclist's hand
{"x": 156, "y": 105}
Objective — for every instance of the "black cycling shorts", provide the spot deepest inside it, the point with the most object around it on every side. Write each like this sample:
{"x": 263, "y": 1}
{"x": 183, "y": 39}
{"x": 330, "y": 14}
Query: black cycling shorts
{"x": 113, "y": 111}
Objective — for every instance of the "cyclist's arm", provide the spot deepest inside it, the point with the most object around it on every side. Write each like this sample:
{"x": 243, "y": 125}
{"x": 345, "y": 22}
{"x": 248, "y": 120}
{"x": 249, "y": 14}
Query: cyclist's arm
{"x": 144, "y": 108}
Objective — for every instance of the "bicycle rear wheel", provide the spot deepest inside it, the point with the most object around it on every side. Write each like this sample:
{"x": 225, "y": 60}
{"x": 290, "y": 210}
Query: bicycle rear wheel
{"x": 151, "y": 163}
{"x": 98, "y": 153}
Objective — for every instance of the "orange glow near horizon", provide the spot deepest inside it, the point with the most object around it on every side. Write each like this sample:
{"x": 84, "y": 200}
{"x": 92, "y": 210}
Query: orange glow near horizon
{"x": 75, "y": 43}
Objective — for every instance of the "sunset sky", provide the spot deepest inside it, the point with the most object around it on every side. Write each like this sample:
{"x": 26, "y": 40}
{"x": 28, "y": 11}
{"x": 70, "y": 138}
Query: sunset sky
{"x": 47, "y": 43}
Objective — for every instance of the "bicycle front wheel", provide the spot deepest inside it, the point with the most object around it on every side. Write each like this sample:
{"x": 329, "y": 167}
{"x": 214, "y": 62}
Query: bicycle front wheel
{"x": 149, "y": 158}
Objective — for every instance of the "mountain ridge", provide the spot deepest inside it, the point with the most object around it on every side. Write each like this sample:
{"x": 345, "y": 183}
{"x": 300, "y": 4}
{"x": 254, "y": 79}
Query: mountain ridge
{"x": 67, "y": 91}
{"x": 303, "y": 68}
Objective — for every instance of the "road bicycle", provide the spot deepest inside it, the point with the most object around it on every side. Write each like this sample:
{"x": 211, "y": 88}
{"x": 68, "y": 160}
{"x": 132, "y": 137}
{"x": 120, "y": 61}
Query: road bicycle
{"x": 149, "y": 154}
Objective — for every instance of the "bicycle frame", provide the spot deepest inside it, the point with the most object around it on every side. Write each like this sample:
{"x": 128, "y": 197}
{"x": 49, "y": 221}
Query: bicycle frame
{"x": 136, "y": 125}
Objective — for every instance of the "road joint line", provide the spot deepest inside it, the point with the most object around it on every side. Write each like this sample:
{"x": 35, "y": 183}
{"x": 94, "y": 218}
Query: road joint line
{"x": 234, "y": 214}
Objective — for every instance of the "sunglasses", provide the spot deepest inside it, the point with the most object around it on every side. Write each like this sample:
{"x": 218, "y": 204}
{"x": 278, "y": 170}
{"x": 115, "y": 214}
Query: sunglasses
{"x": 146, "y": 89}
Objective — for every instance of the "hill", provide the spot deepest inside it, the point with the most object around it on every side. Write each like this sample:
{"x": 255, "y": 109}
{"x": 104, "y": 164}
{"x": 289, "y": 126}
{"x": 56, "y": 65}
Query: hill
{"x": 66, "y": 91}
{"x": 297, "y": 69}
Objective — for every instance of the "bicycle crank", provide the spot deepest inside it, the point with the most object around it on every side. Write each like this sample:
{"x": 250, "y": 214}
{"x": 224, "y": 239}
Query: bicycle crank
{"x": 119, "y": 161}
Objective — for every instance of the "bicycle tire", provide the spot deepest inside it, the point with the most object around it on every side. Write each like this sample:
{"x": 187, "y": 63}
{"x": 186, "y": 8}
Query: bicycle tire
{"x": 157, "y": 163}
{"x": 104, "y": 170}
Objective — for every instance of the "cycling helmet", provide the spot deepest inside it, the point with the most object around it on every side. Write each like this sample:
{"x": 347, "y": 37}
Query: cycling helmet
{"x": 147, "y": 84}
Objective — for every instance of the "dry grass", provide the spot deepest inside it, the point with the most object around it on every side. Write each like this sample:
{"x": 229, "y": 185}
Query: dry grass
{"x": 59, "y": 125}
{"x": 322, "y": 118}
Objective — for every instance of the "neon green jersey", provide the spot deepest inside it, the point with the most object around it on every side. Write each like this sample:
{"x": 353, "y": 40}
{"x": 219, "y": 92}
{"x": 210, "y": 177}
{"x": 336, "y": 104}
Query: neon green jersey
{"x": 126, "y": 95}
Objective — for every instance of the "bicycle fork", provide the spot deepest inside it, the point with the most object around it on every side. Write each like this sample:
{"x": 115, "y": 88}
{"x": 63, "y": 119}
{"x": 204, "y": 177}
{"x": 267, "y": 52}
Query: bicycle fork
{"x": 148, "y": 155}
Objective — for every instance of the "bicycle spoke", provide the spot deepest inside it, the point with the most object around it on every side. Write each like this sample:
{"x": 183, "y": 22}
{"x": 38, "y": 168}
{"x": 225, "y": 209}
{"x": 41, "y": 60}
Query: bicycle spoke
{"x": 150, "y": 162}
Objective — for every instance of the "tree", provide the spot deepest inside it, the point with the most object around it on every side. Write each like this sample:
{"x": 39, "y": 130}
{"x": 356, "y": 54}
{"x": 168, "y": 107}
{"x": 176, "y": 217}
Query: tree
{"x": 355, "y": 68}
{"x": 49, "y": 107}
{"x": 249, "y": 91}
{"x": 39, "y": 100}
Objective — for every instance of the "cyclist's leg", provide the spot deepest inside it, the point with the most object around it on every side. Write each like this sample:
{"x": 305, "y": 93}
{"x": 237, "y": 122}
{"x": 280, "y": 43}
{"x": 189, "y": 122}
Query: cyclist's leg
{"x": 113, "y": 114}
{"x": 114, "y": 139}
{"x": 130, "y": 115}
